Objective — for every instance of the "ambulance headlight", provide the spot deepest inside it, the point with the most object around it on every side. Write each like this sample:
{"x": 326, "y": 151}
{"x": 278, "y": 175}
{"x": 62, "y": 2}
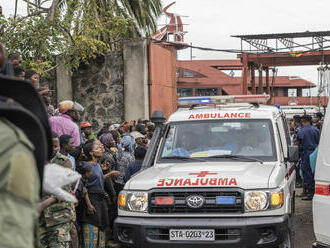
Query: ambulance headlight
{"x": 135, "y": 201}
{"x": 256, "y": 201}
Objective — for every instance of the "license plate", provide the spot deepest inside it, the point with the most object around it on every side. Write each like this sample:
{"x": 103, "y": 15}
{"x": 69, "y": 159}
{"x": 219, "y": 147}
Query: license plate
{"x": 192, "y": 234}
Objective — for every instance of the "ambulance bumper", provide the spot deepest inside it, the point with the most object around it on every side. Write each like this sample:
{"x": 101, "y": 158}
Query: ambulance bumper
{"x": 319, "y": 245}
{"x": 229, "y": 232}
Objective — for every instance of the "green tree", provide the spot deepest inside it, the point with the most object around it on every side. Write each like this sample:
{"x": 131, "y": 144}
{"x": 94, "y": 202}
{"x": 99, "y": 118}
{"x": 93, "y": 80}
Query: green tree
{"x": 143, "y": 12}
{"x": 77, "y": 30}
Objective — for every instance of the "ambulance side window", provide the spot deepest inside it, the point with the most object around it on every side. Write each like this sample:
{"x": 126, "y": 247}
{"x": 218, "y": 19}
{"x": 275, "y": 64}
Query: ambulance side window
{"x": 169, "y": 142}
{"x": 282, "y": 133}
{"x": 287, "y": 131}
{"x": 280, "y": 141}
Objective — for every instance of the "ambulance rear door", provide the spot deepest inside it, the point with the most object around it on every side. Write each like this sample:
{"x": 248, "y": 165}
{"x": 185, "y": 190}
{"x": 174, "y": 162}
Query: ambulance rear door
{"x": 321, "y": 201}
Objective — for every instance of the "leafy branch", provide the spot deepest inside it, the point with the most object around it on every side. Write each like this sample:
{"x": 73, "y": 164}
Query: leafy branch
{"x": 76, "y": 30}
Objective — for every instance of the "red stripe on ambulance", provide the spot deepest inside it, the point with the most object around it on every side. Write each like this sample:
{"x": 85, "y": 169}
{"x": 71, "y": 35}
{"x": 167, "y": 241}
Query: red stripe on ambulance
{"x": 291, "y": 170}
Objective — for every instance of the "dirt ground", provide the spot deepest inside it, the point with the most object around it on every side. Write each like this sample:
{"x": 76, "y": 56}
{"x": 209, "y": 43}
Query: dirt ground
{"x": 304, "y": 234}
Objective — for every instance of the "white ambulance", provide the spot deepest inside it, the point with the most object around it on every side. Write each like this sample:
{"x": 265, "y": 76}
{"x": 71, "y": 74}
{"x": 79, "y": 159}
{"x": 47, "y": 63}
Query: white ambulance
{"x": 293, "y": 110}
{"x": 216, "y": 174}
{"x": 321, "y": 200}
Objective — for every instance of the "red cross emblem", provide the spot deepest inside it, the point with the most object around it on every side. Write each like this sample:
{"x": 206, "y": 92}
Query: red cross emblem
{"x": 203, "y": 174}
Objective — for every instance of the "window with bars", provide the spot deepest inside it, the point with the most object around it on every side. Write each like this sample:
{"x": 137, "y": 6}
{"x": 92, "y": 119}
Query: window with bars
{"x": 207, "y": 92}
{"x": 181, "y": 92}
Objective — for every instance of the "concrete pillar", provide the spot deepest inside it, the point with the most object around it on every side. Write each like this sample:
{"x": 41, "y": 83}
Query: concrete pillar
{"x": 253, "y": 80}
{"x": 136, "y": 92}
{"x": 260, "y": 86}
{"x": 272, "y": 90}
{"x": 244, "y": 73}
{"x": 267, "y": 81}
{"x": 63, "y": 81}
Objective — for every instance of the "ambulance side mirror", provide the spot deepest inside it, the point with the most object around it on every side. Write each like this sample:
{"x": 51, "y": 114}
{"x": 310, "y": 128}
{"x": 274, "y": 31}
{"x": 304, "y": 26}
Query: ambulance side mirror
{"x": 159, "y": 119}
{"x": 293, "y": 152}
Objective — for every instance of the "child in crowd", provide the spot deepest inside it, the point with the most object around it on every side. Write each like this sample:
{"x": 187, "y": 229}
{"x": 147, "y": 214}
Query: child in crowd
{"x": 107, "y": 162}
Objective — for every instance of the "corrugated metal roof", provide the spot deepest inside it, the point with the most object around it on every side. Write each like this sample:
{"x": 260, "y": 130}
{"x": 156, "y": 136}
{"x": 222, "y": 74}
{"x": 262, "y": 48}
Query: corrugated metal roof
{"x": 283, "y": 35}
{"x": 212, "y": 76}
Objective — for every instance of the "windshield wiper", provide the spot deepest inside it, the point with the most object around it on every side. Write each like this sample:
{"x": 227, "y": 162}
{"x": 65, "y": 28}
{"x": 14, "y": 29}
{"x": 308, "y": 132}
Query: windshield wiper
{"x": 183, "y": 158}
{"x": 237, "y": 157}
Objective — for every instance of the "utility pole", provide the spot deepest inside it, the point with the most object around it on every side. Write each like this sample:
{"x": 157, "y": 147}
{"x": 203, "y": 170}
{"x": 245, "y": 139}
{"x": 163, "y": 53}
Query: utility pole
{"x": 191, "y": 50}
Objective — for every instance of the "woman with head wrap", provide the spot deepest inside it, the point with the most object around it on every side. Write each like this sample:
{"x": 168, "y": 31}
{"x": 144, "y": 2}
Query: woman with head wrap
{"x": 108, "y": 141}
{"x": 116, "y": 136}
{"x": 127, "y": 156}
{"x": 110, "y": 147}
{"x": 126, "y": 141}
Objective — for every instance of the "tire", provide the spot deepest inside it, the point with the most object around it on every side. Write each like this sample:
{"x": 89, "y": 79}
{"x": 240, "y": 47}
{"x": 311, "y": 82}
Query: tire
{"x": 289, "y": 240}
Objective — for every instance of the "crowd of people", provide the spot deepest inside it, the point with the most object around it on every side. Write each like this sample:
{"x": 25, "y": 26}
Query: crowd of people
{"x": 106, "y": 161}
{"x": 305, "y": 132}
{"x": 13, "y": 68}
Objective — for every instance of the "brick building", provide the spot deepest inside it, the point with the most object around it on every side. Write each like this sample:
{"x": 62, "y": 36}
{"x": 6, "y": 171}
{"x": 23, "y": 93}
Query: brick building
{"x": 217, "y": 77}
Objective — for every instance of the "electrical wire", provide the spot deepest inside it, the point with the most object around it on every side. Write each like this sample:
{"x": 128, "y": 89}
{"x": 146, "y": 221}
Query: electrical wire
{"x": 243, "y": 51}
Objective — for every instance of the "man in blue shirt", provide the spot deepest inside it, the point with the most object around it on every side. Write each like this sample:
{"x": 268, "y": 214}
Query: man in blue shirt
{"x": 135, "y": 166}
{"x": 308, "y": 139}
{"x": 297, "y": 126}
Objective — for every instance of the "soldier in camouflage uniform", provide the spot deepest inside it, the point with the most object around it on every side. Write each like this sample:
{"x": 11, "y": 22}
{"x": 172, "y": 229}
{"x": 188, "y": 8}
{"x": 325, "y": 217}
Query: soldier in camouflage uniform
{"x": 56, "y": 221}
{"x": 19, "y": 182}
{"x": 62, "y": 160}
{"x": 25, "y": 146}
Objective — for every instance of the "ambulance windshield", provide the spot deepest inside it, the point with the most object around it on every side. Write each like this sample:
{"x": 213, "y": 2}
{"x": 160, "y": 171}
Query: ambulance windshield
{"x": 207, "y": 139}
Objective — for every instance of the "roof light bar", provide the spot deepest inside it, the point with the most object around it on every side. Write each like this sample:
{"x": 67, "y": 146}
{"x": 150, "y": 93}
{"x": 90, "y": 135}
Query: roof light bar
{"x": 224, "y": 99}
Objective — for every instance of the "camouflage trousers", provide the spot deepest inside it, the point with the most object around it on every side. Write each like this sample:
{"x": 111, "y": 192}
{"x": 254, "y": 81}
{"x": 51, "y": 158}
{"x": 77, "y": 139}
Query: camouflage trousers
{"x": 56, "y": 237}
{"x": 56, "y": 245}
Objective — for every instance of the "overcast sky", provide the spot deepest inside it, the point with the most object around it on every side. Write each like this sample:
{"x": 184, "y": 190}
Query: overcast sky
{"x": 212, "y": 22}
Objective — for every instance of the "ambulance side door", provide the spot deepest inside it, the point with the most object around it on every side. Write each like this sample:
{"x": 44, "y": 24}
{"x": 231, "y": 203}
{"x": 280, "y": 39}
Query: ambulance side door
{"x": 289, "y": 175}
{"x": 321, "y": 200}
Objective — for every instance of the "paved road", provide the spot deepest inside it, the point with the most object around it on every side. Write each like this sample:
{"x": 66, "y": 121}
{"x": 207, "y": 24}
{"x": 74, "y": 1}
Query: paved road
{"x": 304, "y": 237}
